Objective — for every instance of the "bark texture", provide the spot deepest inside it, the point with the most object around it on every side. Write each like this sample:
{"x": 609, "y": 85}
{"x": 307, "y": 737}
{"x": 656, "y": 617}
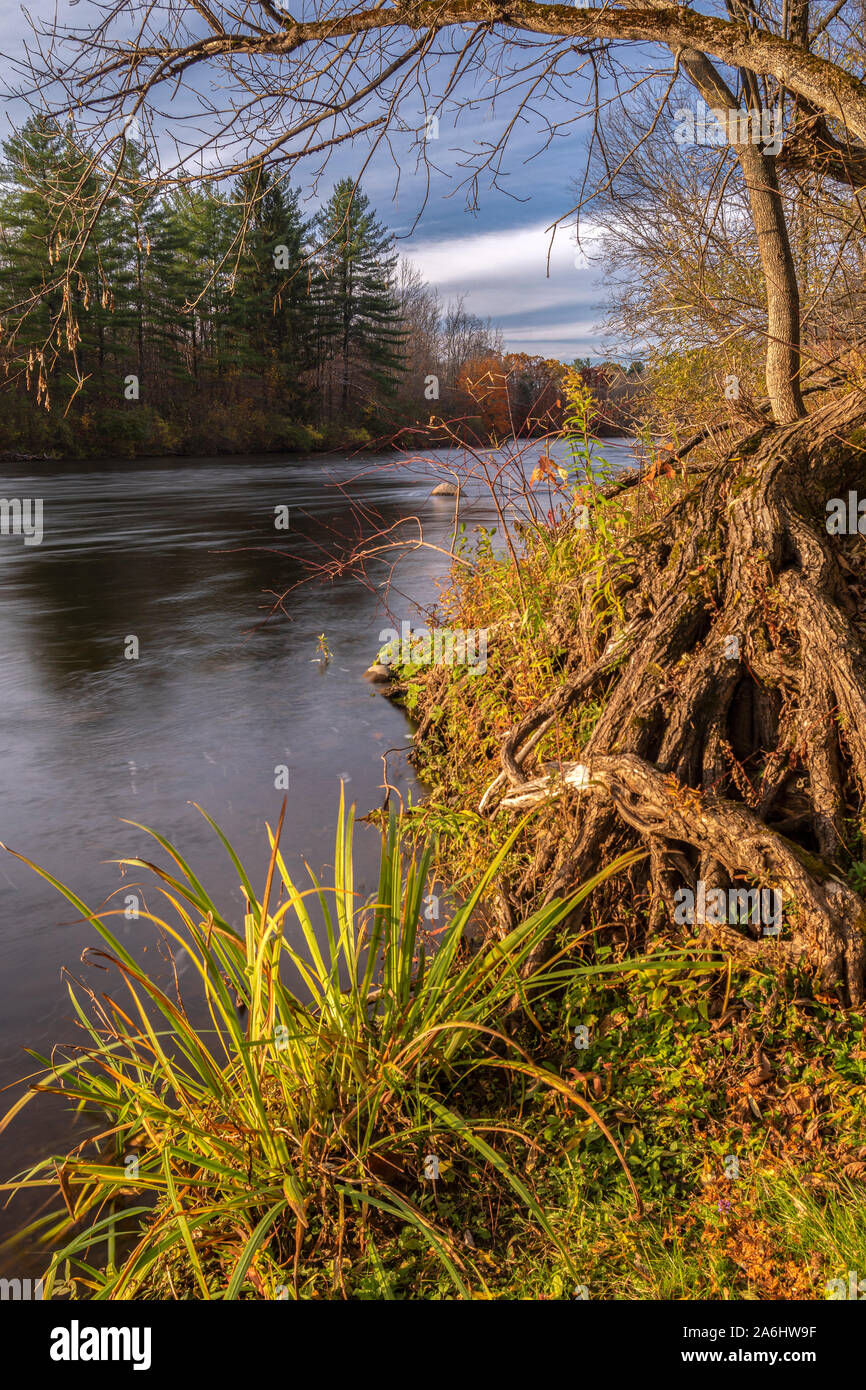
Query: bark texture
{"x": 732, "y": 740}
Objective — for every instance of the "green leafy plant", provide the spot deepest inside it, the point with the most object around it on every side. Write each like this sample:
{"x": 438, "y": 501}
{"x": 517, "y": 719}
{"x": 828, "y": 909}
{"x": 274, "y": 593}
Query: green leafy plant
{"x": 259, "y": 1156}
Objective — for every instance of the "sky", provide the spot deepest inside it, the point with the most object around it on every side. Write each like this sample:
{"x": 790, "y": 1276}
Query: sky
{"x": 548, "y": 309}
{"x": 548, "y": 299}
{"x": 546, "y": 294}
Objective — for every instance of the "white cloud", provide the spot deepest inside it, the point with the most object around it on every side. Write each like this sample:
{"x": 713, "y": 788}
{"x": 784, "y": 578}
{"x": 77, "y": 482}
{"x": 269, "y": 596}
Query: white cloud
{"x": 507, "y": 273}
{"x": 561, "y": 332}
{"x": 565, "y": 341}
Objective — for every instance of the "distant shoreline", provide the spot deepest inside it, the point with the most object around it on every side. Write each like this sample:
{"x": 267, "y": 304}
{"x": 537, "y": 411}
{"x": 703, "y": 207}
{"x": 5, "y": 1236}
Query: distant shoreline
{"x": 347, "y": 445}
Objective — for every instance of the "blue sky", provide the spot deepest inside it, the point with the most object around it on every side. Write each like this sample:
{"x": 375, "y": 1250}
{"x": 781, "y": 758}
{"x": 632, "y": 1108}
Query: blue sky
{"x": 496, "y": 257}
{"x": 545, "y": 293}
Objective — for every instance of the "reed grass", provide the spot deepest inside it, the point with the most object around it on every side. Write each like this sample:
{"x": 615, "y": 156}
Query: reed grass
{"x": 269, "y": 1153}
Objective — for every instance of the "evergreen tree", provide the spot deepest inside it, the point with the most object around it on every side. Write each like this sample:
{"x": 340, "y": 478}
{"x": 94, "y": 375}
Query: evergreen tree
{"x": 42, "y": 171}
{"x": 138, "y": 215}
{"x": 198, "y": 228}
{"x": 358, "y": 322}
{"x": 206, "y": 297}
{"x": 272, "y": 310}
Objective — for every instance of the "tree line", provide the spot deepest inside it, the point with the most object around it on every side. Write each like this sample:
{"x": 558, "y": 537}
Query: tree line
{"x": 209, "y": 319}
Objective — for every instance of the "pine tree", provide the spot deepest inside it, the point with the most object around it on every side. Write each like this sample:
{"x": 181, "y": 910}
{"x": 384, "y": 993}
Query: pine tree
{"x": 42, "y": 171}
{"x": 272, "y": 309}
{"x": 358, "y": 321}
{"x": 204, "y": 296}
{"x": 198, "y": 233}
{"x": 121, "y": 237}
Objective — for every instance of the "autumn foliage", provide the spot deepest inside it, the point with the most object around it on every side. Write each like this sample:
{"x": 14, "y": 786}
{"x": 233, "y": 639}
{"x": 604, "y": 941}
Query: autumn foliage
{"x": 511, "y": 395}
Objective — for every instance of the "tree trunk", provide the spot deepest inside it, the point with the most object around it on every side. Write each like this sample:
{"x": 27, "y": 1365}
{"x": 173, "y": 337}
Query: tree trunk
{"x": 783, "y": 361}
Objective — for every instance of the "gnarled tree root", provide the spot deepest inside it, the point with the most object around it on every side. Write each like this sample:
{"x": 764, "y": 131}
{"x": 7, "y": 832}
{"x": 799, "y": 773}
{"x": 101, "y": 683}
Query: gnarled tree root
{"x": 824, "y": 917}
{"x": 732, "y": 738}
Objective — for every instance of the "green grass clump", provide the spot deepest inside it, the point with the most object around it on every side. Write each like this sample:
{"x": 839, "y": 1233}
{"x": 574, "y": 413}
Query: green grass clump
{"x": 274, "y": 1151}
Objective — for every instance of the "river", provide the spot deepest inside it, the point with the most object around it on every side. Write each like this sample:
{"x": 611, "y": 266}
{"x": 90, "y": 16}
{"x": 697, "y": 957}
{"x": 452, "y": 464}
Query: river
{"x": 184, "y": 556}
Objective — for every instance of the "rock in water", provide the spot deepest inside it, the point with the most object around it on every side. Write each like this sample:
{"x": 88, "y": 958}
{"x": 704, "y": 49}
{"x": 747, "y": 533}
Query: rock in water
{"x": 444, "y": 490}
{"x": 377, "y": 672}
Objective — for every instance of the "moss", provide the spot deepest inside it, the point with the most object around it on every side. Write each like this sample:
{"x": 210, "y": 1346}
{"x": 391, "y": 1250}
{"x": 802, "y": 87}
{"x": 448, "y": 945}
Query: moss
{"x": 742, "y": 483}
{"x": 812, "y": 863}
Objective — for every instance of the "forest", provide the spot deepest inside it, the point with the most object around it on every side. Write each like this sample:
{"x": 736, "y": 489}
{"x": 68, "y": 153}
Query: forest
{"x": 218, "y": 321}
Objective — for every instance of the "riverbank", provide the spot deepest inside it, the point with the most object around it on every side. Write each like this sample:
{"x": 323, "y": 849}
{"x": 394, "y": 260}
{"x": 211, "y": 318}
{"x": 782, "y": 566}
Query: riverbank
{"x": 738, "y": 1093}
{"x": 225, "y": 700}
{"x": 139, "y": 431}
{"x": 290, "y": 438}
{"x": 227, "y": 429}
{"x": 502, "y": 1106}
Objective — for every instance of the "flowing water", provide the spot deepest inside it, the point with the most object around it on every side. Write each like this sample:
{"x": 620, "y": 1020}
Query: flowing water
{"x": 185, "y": 557}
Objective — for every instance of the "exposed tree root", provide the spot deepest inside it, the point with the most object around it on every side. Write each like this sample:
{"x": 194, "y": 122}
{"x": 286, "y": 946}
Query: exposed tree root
{"x": 732, "y": 741}
{"x": 826, "y": 918}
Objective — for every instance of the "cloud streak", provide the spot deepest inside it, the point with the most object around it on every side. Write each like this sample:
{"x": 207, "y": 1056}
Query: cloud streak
{"x": 547, "y": 296}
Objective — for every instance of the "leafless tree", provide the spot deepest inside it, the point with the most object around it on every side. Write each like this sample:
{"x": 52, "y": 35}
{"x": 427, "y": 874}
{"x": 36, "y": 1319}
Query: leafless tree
{"x": 464, "y": 336}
